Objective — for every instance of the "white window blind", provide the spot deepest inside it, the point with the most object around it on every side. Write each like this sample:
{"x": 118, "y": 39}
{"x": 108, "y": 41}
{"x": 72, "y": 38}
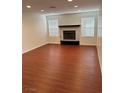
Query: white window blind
{"x": 53, "y": 27}
{"x": 87, "y": 26}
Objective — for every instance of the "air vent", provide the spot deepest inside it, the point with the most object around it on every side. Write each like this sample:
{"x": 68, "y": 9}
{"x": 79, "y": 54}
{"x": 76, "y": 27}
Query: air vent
{"x": 52, "y": 7}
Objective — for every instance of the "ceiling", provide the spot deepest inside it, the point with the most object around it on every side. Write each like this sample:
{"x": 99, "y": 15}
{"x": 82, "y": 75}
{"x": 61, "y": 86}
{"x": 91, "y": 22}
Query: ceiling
{"x": 62, "y": 6}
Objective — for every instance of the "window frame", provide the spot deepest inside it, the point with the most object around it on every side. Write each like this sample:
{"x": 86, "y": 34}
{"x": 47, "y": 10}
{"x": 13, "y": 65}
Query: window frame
{"x": 82, "y": 31}
{"x": 57, "y": 27}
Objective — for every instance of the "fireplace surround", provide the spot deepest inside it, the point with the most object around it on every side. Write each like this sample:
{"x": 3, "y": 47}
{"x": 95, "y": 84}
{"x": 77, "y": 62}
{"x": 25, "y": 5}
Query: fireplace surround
{"x": 69, "y": 34}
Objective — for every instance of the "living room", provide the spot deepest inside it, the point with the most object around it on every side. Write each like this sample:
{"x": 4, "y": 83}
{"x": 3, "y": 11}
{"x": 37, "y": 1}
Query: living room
{"x": 63, "y": 37}
{"x": 61, "y": 46}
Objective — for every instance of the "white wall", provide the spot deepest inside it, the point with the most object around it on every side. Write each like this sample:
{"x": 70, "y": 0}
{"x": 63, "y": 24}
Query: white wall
{"x": 69, "y": 19}
{"x": 75, "y": 19}
{"x": 34, "y": 31}
{"x": 99, "y": 39}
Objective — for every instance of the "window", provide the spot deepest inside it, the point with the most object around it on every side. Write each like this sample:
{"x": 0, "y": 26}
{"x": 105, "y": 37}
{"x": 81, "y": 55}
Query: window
{"x": 53, "y": 27}
{"x": 87, "y": 26}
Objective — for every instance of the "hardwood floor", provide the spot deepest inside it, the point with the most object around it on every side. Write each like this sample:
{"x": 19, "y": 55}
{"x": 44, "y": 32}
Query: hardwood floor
{"x": 62, "y": 69}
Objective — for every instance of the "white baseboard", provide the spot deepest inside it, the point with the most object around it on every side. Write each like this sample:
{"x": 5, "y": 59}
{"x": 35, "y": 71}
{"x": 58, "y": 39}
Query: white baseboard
{"x": 33, "y": 48}
{"x": 89, "y": 44}
{"x": 80, "y": 44}
{"x": 100, "y": 59}
{"x": 54, "y": 43}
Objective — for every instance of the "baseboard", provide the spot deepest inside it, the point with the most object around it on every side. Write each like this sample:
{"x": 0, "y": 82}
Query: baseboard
{"x": 89, "y": 44}
{"x": 80, "y": 44}
{"x": 33, "y": 48}
{"x": 54, "y": 43}
{"x": 99, "y": 58}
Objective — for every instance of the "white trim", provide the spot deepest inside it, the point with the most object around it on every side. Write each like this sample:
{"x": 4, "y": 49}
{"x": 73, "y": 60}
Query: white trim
{"x": 88, "y": 44}
{"x": 34, "y": 48}
{"x": 100, "y": 59}
{"x": 71, "y": 12}
{"x": 54, "y": 43}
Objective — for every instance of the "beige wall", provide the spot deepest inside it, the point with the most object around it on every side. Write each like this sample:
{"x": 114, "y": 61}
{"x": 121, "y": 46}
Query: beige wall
{"x": 34, "y": 31}
{"x": 69, "y": 19}
{"x": 99, "y": 39}
{"x": 75, "y": 19}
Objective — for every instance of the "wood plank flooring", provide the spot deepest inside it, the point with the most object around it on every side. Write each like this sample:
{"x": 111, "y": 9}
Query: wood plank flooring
{"x": 56, "y": 68}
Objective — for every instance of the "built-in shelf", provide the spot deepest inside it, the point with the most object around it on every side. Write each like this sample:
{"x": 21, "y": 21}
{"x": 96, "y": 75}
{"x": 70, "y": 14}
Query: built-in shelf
{"x": 69, "y": 25}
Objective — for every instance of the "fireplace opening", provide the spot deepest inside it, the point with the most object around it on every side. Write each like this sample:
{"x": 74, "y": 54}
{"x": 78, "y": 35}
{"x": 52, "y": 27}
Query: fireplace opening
{"x": 69, "y": 34}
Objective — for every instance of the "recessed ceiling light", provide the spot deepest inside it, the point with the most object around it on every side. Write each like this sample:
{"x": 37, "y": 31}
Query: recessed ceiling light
{"x": 70, "y": 0}
{"x": 42, "y": 10}
{"x": 28, "y": 6}
{"x": 75, "y": 6}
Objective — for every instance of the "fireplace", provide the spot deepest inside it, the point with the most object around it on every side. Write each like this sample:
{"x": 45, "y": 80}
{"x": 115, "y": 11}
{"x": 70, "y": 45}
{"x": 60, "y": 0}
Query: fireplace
{"x": 69, "y": 38}
{"x": 70, "y": 34}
